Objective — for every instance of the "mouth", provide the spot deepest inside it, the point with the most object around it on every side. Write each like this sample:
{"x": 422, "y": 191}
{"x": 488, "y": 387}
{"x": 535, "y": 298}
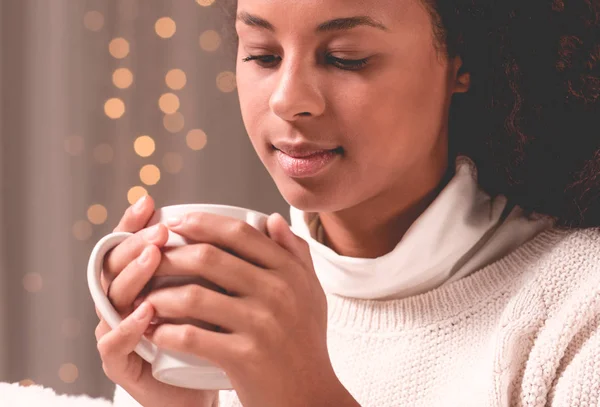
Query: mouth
{"x": 305, "y": 163}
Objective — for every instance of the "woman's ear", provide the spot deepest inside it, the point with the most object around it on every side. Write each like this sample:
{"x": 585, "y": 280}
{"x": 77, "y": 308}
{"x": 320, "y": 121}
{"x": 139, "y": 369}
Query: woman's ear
{"x": 461, "y": 78}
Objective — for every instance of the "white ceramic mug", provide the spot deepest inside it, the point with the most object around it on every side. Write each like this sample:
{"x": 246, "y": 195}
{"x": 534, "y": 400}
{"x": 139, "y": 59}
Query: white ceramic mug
{"x": 175, "y": 368}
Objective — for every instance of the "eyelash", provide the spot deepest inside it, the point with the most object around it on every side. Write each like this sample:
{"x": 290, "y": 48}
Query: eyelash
{"x": 265, "y": 61}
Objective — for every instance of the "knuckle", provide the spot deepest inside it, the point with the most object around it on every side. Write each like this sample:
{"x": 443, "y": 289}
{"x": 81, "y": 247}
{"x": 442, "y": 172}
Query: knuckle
{"x": 246, "y": 350}
{"x": 278, "y": 293}
{"x": 240, "y": 229}
{"x": 261, "y": 319}
{"x": 103, "y": 348}
{"x": 205, "y": 254}
{"x": 109, "y": 371}
{"x": 191, "y": 296}
{"x": 187, "y": 337}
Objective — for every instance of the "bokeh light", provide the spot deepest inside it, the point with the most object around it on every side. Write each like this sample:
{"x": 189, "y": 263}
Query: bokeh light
{"x": 196, "y": 139}
{"x": 103, "y": 153}
{"x": 97, "y": 214}
{"x": 93, "y": 20}
{"x": 114, "y": 108}
{"x": 74, "y": 145}
{"x": 168, "y": 103}
{"x": 205, "y": 3}
{"x": 82, "y": 230}
{"x": 32, "y": 282}
{"x": 172, "y": 163}
{"x": 136, "y": 193}
{"x": 175, "y": 79}
{"x": 68, "y": 372}
{"x": 226, "y": 81}
{"x": 122, "y": 78}
{"x": 165, "y": 27}
{"x": 150, "y": 174}
{"x": 210, "y": 40}
{"x": 174, "y": 122}
{"x": 119, "y": 48}
{"x": 144, "y": 146}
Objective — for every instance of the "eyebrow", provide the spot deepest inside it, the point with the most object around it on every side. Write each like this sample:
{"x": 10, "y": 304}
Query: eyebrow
{"x": 337, "y": 24}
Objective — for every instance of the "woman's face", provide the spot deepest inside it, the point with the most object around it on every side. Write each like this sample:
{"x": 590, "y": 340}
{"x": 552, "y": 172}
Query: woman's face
{"x": 362, "y": 77}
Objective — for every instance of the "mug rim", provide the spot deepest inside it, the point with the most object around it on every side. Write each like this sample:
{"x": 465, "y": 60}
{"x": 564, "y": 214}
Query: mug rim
{"x": 236, "y": 208}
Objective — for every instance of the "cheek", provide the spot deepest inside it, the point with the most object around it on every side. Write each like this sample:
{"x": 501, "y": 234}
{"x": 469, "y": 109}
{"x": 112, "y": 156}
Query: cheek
{"x": 400, "y": 112}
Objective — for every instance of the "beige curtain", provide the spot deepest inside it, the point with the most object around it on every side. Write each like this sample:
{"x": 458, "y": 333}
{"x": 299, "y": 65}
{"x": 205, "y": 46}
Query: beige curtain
{"x": 101, "y": 101}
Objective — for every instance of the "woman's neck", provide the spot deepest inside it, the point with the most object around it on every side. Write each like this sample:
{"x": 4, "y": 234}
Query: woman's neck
{"x": 374, "y": 227}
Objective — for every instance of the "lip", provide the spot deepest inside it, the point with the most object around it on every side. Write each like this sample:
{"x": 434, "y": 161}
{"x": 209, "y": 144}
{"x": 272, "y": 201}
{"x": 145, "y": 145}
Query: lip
{"x": 302, "y": 150}
{"x": 304, "y": 166}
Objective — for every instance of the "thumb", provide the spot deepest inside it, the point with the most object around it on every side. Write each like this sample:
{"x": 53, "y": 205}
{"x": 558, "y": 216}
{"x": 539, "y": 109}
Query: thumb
{"x": 280, "y": 232}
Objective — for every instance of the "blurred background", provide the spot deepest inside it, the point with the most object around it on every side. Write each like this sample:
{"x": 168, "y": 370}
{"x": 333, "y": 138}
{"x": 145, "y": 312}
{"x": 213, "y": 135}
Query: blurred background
{"x": 104, "y": 101}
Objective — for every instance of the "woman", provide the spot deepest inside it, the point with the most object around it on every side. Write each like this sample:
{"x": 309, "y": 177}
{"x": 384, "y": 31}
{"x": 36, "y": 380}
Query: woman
{"x": 442, "y": 163}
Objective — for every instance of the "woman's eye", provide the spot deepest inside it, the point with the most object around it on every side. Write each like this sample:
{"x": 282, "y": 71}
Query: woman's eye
{"x": 347, "y": 64}
{"x": 265, "y": 61}
{"x": 270, "y": 61}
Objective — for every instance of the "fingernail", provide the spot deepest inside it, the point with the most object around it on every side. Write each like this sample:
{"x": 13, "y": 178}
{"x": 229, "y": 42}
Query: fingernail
{"x": 137, "y": 207}
{"x": 143, "y": 259}
{"x": 142, "y": 311}
{"x": 151, "y": 233}
{"x": 174, "y": 221}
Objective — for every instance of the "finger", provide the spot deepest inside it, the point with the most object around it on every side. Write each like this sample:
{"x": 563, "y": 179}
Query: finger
{"x": 216, "y": 347}
{"x": 137, "y": 215}
{"x": 211, "y": 263}
{"x": 232, "y": 235}
{"x": 126, "y": 287}
{"x": 101, "y": 329}
{"x": 280, "y": 232}
{"x": 200, "y": 303}
{"x": 128, "y": 250}
{"x": 122, "y": 340}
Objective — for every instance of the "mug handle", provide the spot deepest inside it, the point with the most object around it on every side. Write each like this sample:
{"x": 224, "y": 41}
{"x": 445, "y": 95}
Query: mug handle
{"x": 146, "y": 349}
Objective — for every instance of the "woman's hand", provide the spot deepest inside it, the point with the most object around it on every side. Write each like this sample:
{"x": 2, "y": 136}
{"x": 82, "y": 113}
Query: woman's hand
{"x": 127, "y": 269}
{"x": 273, "y": 317}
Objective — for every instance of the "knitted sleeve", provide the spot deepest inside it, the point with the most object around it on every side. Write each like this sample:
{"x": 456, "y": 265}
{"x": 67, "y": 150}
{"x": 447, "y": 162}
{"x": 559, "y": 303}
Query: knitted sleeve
{"x": 578, "y": 378}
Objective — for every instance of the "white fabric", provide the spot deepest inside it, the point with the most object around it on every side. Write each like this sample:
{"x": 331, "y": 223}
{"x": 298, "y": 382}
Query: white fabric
{"x": 523, "y": 331}
{"x": 460, "y": 232}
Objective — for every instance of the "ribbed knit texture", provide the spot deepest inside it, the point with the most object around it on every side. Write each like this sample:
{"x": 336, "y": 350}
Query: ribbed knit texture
{"x": 523, "y": 331}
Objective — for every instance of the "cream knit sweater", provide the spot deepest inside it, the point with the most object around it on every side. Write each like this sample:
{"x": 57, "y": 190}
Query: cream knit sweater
{"x": 523, "y": 331}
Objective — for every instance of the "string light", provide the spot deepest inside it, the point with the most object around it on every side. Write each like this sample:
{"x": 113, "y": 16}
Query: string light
{"x": 150, "y": 174}
{"x": 32, "y": 282}
{"x": 122, "y": 78}
{"x": 168, "y": 103}
{"x": 144, "y": 146}
{"x": 136, "y": 193}
{"x": 68, "y": 372}
{"x": 93, "y": 20}
{"x": 174, "y": 122}
{"x": 196, "y": 139}
{"x": 114, "y": 108}
{"x": 97, "y": 214}
{"x": 226, "y": 81}
{"x": 210, "y": 40}
{"x": 165, "y": 27}
{"x": 119, "y": 48}
{"x": 82, "y": 230}
{"x": 173, "y": 163}
{"x": 175, "y": 79}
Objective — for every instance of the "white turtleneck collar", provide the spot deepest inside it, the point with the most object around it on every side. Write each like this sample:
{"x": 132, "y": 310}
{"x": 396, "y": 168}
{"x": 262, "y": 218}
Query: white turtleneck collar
{"x": 461, "y": 231}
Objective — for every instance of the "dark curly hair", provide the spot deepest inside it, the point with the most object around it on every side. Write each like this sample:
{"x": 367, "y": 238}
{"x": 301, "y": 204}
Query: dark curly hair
{"x": 531, "y": 118}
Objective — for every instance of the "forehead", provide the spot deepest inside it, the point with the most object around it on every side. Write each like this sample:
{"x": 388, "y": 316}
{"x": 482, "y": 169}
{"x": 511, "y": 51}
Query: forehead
{"x": 309, "y": 13}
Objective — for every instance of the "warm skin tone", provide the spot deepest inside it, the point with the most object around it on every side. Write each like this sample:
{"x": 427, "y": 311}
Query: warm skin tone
{"x": 390, "y": 116}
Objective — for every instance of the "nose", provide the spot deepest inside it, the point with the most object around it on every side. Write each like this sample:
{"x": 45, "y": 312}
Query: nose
{"x": 297, "y": 93}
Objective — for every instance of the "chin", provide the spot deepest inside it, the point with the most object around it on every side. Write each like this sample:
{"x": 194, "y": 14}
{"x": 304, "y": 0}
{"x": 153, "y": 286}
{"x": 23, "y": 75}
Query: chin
{"x": 311, "y": 198}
